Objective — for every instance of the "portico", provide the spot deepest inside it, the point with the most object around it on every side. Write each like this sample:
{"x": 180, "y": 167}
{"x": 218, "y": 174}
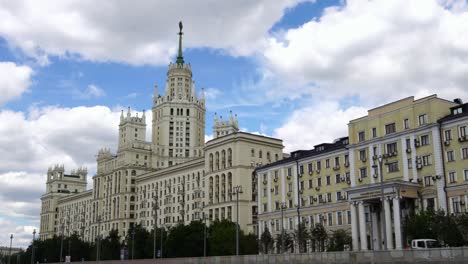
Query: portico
{"x": 367, "y": 225}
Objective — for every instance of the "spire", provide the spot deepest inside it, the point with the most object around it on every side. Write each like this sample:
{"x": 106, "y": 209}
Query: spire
{"x": 180, "y": 58}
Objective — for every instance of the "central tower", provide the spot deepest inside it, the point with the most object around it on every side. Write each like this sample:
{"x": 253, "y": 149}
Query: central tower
{"x": 178, "y": 116}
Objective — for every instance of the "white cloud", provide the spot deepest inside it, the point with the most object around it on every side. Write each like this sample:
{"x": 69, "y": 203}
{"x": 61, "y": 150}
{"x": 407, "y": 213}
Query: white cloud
{"x": 14, "y": 80}
{"x": 22, "y": 234}
{"x": 376, "y": 50}
{"x": 142, "y": 33}
{"x": 91, "y": 91}
{"x": 319, "y": 123}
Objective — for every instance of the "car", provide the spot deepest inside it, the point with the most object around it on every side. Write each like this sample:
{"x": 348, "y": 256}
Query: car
{"x": 424, "y": 243}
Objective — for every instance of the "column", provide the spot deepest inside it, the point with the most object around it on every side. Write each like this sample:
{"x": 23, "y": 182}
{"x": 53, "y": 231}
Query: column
{"x": 397, "y": 222}
{"x": 362, "y": 226}
{"x": 351, "y": 167}
{"x": 404, "y": 159}
{"x": 388, "y": 224}
{"x": 375, "y": 232}
{"x": 354, "y": 227}
{"x": 269, "y": 191}
{"x": 439, "y": 170}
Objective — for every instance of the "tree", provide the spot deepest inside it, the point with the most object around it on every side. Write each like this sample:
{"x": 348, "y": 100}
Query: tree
{"x": 140, "y": 241}
{"x": 301, "y": 235}
{"x": 266, "y": 242}
{"x": 186, "y": 240}
{"x": 248, "y": 244}
{"x": 420, "y": 225}
{"x": 339, "y": 240}
{"x": 110, "y": 246}
{"x": 288, "y": 242}
{"x": 222, "y": 238}
{"x": 319, "y": 237}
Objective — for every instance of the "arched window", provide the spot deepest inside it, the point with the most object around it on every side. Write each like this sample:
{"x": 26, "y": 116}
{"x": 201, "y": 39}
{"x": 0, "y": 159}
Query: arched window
{"x": 268, "y": 156}
{"x": 229, "y": 157}
{"x": 260, "y": 154}
{"x": 211, "y": 161}
{"x": 252, "y": 152}
{"x": 276, "y": 157}
{"x": 217, "y": 160}
{"x": 223, "y": 159}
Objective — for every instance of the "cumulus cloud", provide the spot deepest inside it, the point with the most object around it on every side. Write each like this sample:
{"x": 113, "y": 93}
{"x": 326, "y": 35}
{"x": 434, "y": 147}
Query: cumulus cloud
{"x": 319, "y": 123}
{"x": 22, "y": 234}
{"x": 14, "y": 80}
{"x": 91, "y": 91}
{"x": 142, "y": 33}
{"x": 377, "y": 51}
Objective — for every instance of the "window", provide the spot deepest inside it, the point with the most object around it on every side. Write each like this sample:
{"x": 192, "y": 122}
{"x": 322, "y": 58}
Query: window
{"x": 361, "y": 136}
{"x": 319, "y": 165}
{"x": 390, "y": 128}
{"x": 328, "y": 180}
{"x": 339, "y": 218}
{"x": 309, "y": 167}
{"x": 290, "y": 187}
{"x": 374, "y": 132}
{"x": 302, "y": 185}
{"x": 363, "y": 172}
{"x": 276, "y": 189}
{"x": 330, "y": 219}
{"x": 337, "y": 161}
{"x": 311, "y": 200}
{"x": 406, "y": 123}
{"x": 427, "y": 160}
{"x": 301, "y": 169}
{"x": 428, "y": 181}
{"x": 410, "y": 163}
{"x": 310, "y": 184}
{"x": 393, "y": 167}
{"x": 327, "y": 163}
{"x": 289, "y": 171}
{"x": 348, "y": 217}
{"x": 465, "y": 172}
{"x": 448, "y": 134}
{"x": 260, "y": 154}
{"x": 424, "y": 140}
{"x": 337, "y": 178}
{"x": 265, "y": 192}
{"x": 362, "y": 155}
{"x": 252, "y": 153}
{"x": 329, "y": 199}
{"x": 452, "y": 177}
{"x": 392, "y": 148}
{"x": 462, "y": 131}
{"x": 264, "y": 207}
{"x": 455, "y": 205}
{"x": 319, "y": 182}
{"x": 338, "y": 196}
{"x": 465, "y": 153}
{"x": 450, "y": 155}
{"x": 422, "y": 119}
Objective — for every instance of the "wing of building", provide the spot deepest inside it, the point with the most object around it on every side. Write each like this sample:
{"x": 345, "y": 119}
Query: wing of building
{"x": 418, "y": 147}
{"x": 175, "y": 178}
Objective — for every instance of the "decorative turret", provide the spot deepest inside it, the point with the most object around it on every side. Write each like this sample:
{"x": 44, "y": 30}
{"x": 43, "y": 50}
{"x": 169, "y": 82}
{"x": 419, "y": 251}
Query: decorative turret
{"x": 180, "y": 58}
{"x": 131, "y": 129}
{"x": 221, "y": 128}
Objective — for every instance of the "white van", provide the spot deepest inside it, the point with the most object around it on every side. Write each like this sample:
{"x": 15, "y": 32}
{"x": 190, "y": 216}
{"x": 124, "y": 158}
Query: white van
{"x": 424, "y": 243}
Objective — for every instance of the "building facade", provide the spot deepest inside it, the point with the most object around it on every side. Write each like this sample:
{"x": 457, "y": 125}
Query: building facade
{"x": 175, "y": 178}
{"x": 419, "y": 149}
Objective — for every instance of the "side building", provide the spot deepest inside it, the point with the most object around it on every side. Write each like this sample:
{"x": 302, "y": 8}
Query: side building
{"x": 419, "y": 149}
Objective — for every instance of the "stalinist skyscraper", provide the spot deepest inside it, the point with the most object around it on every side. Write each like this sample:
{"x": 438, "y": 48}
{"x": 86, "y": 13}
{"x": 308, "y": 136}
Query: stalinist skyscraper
{"x": 178, "y": 116}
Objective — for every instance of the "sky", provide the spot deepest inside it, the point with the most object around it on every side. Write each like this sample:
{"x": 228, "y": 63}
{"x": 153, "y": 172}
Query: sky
{"x": 297, "y": 70}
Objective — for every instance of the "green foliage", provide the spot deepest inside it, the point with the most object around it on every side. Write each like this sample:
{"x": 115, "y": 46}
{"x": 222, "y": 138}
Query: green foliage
{"x": 288, "y": 243}
{"x": 449, "y": 230}
{"x": 301, "y": 235}
{"x": 266, "y": 242}
{"x": 111, "y": 246}
{"x": 186, "y": 240}
{"x": 222, "y": 238}
{"x": 248, "y": 244}
{"x": 319, "y": 237}
{"x": 339, "y": 239}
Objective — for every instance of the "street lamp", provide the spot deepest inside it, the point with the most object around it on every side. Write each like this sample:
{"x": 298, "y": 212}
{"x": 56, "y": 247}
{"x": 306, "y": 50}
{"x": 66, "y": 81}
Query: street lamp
{"x": 237, "y": 190}
{"x": 155, "y": 208}
{"x": 382, "y": 197}
{"x": 62, "y": 229}
{"x": 9, "y": 252}
{"x": 32, "y": 251}
{"x": 204, "y": 233}
{"x": 98, "y": 246}
{"x": 133, "y": 242}
{"x": 296, "y": 158}
{"x": 283, "y": 248}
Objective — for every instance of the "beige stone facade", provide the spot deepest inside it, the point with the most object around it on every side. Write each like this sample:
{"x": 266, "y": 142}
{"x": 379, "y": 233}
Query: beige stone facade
{"x": 175, "y": 178}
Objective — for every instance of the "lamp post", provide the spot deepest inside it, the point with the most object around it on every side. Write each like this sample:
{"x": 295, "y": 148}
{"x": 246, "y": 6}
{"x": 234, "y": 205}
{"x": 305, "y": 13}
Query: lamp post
{"x": 283, "y": 247}
{"x": 133, "y": 242}
{"x": 204, "y": 234}
{"x": 382, "y": 198}
{"x": 155, "y": 208}
{"x": 32, "y": 250}
{"x": 237, "y": 190}
{"x": 296, "y": 158}
{"x": 9, "y": 252}
{"x": 62, "y": 228}
{"x": 98, "y": 246}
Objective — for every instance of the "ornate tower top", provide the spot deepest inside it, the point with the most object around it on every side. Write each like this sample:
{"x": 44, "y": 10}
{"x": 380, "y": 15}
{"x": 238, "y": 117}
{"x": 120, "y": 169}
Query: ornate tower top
{"x": 180, "y": 58}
